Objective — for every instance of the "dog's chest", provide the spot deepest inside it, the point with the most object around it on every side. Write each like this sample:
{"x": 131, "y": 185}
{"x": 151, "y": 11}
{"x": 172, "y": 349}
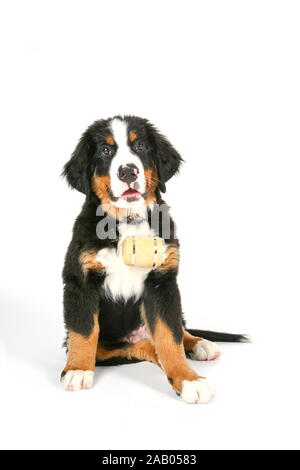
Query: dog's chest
{"x": 124, "y": 281}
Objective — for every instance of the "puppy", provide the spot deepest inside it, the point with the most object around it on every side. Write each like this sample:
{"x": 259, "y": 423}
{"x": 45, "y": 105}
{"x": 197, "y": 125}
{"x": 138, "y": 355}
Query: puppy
{"x": 114, "y": 313}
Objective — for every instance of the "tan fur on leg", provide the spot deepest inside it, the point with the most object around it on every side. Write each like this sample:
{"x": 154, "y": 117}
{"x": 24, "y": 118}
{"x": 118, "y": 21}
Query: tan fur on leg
{"x": 82, "y": 349}
{"x": 172, "y": 356}
{"x": 143, "y": 350}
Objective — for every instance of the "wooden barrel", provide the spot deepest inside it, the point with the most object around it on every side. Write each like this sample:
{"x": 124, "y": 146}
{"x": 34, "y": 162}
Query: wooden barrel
{"x": 143, "y": 251}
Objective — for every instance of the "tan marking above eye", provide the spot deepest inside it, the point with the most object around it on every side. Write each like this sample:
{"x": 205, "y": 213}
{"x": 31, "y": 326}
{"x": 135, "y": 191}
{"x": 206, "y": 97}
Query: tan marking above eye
{"x": 132, "y": 136}
{"x": 110, "y": 140}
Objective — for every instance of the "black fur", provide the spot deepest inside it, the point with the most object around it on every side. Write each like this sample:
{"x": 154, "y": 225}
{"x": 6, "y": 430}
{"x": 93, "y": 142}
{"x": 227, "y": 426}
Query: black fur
{"x": 162, "y": 295}
{"x": 218, "y": 336}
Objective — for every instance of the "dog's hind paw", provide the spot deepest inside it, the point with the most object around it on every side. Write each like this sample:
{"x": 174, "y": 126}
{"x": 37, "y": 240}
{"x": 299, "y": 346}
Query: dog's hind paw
{"x": 205, "y": 350}
{"x": 75, "y": 380}
{"x": 197, "y": 391}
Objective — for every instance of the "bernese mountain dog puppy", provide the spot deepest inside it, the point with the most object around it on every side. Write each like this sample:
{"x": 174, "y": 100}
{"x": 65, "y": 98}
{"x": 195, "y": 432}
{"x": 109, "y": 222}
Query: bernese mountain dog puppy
{"x": 115, "y": 313}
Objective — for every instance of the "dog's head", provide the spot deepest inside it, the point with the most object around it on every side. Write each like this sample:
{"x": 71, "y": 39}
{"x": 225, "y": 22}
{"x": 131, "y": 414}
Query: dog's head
{"x": 123, "y": 160}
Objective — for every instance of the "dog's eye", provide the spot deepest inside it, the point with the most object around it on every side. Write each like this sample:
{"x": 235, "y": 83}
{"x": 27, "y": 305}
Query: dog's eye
{"x": 105, "y": 151}
{"x": 139, "y": 146}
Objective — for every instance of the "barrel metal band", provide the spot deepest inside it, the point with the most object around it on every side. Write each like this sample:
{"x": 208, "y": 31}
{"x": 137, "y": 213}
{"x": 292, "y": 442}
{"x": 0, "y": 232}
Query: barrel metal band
{"x": 164, "y": 251}
{"x": 133, "y": 251}
{"x": 155, "y": 252}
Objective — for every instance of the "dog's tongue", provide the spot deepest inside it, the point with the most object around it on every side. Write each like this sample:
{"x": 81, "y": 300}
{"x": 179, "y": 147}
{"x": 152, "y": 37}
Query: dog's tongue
{"x": 130, "y": 193}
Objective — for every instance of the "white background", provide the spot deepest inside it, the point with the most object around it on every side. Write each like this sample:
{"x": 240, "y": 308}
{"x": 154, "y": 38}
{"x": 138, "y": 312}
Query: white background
{"x": 221, "y": 80}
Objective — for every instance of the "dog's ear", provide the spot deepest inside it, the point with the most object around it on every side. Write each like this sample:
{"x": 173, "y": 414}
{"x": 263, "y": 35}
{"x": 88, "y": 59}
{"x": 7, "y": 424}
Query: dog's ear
{"x": 78, "y": 169}
{"x": 167, "y": 159}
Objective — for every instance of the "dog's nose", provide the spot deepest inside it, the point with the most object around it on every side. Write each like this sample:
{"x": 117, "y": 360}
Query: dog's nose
{"x": 128, "y": 173}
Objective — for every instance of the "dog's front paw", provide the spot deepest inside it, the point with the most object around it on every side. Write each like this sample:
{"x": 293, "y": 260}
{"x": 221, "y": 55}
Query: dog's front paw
{"x": 205, "y": 350}
{"x": 197, "y": 391}
{"x": 75, "y": 380}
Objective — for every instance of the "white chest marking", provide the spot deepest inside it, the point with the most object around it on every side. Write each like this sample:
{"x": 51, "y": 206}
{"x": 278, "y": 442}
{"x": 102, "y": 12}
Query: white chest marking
{"x": 122, "y": 281}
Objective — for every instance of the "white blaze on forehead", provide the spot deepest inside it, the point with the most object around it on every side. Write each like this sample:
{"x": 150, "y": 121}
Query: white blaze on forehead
{"x": 120, "y": 133}
{"x": 123, "y": 156}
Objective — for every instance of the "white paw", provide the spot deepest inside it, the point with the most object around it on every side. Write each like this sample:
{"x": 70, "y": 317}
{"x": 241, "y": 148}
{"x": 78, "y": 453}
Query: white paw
{"x": 75, "y": 380}
{"x": 197, "y": 391}
{"x": 205, "y": 350}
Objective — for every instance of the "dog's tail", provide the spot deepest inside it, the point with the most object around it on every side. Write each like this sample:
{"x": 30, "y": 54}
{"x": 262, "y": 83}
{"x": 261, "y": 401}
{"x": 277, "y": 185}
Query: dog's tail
{"x": 218, "y": 336}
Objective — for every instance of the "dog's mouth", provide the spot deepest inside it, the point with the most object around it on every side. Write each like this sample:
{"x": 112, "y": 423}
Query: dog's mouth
{"x": 131, "y": 195}
{"x": 128, "y": 196}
